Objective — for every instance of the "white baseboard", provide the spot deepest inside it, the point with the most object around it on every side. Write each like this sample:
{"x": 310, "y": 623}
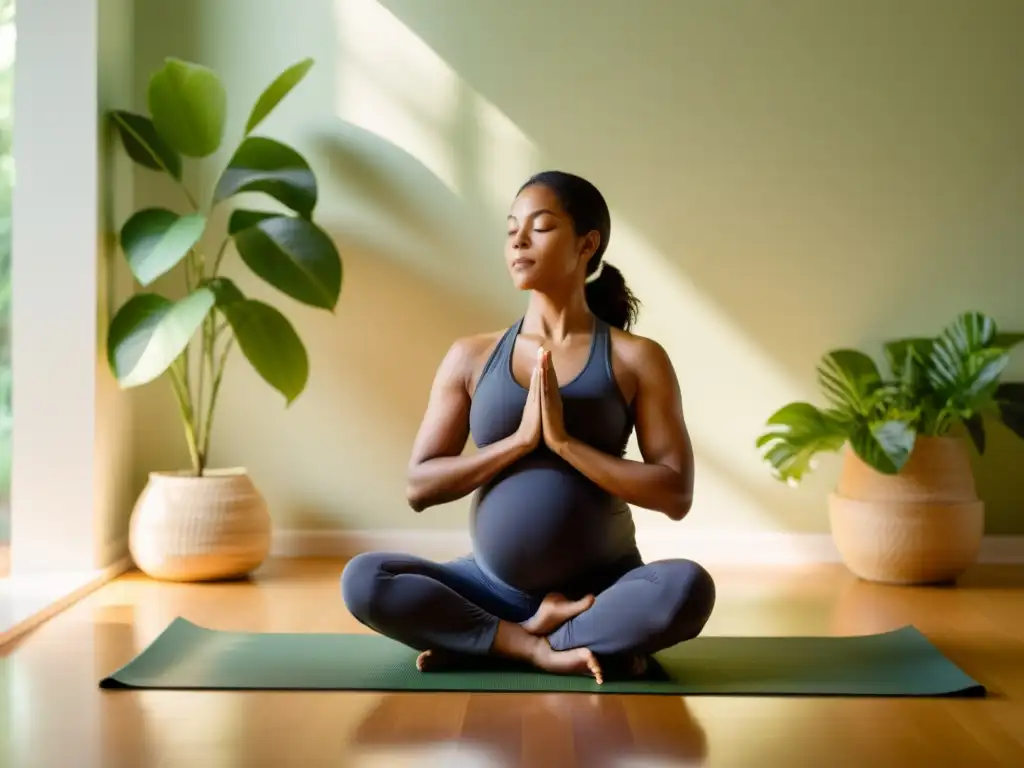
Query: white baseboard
{"x": 726, "y": 547}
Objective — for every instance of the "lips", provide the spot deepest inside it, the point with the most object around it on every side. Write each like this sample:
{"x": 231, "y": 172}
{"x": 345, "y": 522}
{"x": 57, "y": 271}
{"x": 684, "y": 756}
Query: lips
{"x": 522, "y": 262}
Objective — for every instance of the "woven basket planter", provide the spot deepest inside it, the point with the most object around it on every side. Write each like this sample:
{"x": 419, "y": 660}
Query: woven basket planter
{"x": 188, "y": 528}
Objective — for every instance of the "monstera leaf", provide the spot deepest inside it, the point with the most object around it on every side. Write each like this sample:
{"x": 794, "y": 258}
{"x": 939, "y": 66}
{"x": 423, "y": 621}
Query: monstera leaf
{"x": 796, "y": 432}
{"x": 884, "y": 445}
{"x": 935, "y": 384}
{"x": 850, "y": 380}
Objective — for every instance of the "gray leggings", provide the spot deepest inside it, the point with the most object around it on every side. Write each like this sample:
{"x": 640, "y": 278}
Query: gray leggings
{"x": 456, "y": 606}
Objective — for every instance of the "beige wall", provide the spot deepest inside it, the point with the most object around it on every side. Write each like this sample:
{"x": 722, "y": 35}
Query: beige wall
{"x": 785, "y": 177}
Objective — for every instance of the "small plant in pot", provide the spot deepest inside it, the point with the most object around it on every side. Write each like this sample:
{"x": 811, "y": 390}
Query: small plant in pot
{"x": 905, "y": 509}
{"x": 212, "y": 523}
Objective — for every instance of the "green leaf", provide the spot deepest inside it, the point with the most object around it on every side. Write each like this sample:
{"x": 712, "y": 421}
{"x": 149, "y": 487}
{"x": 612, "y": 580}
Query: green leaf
{"x": 885, "y": 446}
{"x": 242, "y": 218}
{"x": 144, "y": 145}
{"x": 1009, "y": 399}
{"x": 189, "y": 104}
{"x": 224, "y": 290}
{"x": 982, "y": 373}
{"x": 908, "y": 357}
{"x": 966, "y": 383}
{"x": 150, "y": 332}
{"x": 1007, "y": 340}
{"x": 975, "y": 425}
{"x": 268, "y": 166}
{"x": 849, "y": 379}
{"x": 970, "y": 333}
{"x": 276, "y": 91}
{"x": 155, "y": 240}
{"x": 796, "y": 432}
{"x": 266, "y": 338}
{"x": 960, "y": 342}
{"x": 296, "y": 257}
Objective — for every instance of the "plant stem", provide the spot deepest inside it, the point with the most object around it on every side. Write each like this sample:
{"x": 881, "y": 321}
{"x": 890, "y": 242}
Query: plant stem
{"x": 214, "y": 392}
{"x": 181, "y": 392}
{"x": 204, "y": 353}
{"x": 188, "y": 195}
{"x": 220, "y": 256}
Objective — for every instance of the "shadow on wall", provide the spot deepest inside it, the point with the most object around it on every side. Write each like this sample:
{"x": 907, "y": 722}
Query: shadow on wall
{"x": 426, "y": 167}
{"x": 781, "y": 182}
{"x": 794, "y": 174}
{"x": 338, "y": 454}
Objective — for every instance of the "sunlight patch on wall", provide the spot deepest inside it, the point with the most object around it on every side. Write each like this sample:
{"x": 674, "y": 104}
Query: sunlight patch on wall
{"x": 718, "y": 366}
{"x": 507, "y": 157}
{"x": 391, "y": 83}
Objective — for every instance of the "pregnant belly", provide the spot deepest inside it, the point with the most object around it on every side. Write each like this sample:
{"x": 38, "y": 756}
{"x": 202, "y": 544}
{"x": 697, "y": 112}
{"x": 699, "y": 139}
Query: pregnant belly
{"x": 544, "y": 524}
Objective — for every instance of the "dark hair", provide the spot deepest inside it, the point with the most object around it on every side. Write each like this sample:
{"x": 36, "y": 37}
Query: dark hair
{"x": 608, "y": 296}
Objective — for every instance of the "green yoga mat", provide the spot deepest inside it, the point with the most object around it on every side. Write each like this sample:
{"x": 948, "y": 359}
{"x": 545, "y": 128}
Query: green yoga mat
{"x": 898, "y": 663}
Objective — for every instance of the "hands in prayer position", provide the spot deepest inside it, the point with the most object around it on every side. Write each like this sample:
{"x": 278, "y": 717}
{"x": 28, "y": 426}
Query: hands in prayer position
{"x": 542, "y": 415}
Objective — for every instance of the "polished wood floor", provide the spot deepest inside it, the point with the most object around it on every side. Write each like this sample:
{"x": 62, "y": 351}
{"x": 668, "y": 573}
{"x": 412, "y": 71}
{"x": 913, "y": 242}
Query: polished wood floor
{"x": 54, "y": 714}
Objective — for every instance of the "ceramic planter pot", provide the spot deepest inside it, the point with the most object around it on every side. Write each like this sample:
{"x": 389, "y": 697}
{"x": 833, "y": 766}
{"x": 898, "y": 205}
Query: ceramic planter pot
{"x": 921, "y": 526}
{"x": 188, "y": 528}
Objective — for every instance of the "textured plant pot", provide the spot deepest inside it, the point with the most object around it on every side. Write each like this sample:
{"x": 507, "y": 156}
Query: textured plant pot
{"x": 187, "y": 528}
{"x": 922, "y": 526}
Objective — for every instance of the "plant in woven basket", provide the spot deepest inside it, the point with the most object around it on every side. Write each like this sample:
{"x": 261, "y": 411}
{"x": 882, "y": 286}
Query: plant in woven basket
{"x": 933, "y": 386}
{"x": 189, "y": 338}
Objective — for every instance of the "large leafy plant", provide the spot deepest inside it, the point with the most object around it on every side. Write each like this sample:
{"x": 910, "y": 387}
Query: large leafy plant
{"x": 934, "y": 385}
{"x": 189, "y": 337}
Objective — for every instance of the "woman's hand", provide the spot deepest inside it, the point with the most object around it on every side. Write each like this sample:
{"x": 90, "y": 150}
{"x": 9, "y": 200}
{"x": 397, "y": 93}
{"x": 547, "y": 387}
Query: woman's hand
{"x": 663, "y": 481}
{"x": 529, "y": 432}
{"x": 555, "y": 436}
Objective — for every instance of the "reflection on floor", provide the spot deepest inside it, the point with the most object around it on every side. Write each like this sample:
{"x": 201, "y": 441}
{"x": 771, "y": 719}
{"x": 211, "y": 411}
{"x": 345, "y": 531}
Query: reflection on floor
{"x": 57, "y": 716}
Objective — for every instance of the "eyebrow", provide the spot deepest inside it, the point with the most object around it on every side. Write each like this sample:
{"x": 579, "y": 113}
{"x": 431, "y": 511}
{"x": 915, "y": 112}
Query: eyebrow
{"x": 538, "y": 212}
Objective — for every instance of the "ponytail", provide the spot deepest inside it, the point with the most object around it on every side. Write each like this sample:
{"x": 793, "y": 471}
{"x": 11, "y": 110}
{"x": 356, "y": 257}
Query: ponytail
{"x": 610, "y": 298}
{"x": 607, "y": 294}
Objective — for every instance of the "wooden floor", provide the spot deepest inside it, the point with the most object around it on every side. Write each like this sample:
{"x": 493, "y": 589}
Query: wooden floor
{"x": 54, "y": 714}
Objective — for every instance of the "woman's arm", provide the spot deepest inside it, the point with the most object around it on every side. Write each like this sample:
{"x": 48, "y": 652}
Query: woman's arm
{"x": 663, "y": 481}
{"x": 438, "y": 472}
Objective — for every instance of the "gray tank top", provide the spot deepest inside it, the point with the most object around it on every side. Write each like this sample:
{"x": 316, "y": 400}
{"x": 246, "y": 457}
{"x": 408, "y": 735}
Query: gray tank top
{"x": 541, "y": 524}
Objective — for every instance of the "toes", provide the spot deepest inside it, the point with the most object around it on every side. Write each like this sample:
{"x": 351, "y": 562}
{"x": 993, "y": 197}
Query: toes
{"x": 594, "y": 667}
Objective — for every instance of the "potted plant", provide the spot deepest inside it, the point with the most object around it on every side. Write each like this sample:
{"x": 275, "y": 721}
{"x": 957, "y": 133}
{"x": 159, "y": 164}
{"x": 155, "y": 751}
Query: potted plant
{"x": 211, "y": 523}
{"x": 905, "y": 509}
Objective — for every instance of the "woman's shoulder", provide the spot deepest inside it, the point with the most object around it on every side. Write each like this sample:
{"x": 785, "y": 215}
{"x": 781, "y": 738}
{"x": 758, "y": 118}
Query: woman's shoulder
{"x": 639, "y": 362}
{"x": 637, "y": 351}
{"x": 469, "y": 349}
{"x": 467, "y": 356}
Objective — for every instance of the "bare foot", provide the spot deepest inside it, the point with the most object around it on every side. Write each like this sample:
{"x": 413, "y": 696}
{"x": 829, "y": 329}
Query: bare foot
{"x": 576, "y": 661}
{"x": 554, "y": 611}
{"x": 428, "y": 660}
{"x": 440, "y": 660}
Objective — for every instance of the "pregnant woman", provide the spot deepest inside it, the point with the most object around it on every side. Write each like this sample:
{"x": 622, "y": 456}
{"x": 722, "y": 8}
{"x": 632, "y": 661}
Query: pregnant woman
{"x": 555, "y": 578}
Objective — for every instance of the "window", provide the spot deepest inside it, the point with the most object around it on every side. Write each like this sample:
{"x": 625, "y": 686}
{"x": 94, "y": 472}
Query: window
{"x": 7, "y": 47}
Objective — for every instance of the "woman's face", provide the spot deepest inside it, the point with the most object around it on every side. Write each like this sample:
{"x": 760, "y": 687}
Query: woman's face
{"x": 542, "y": 250}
